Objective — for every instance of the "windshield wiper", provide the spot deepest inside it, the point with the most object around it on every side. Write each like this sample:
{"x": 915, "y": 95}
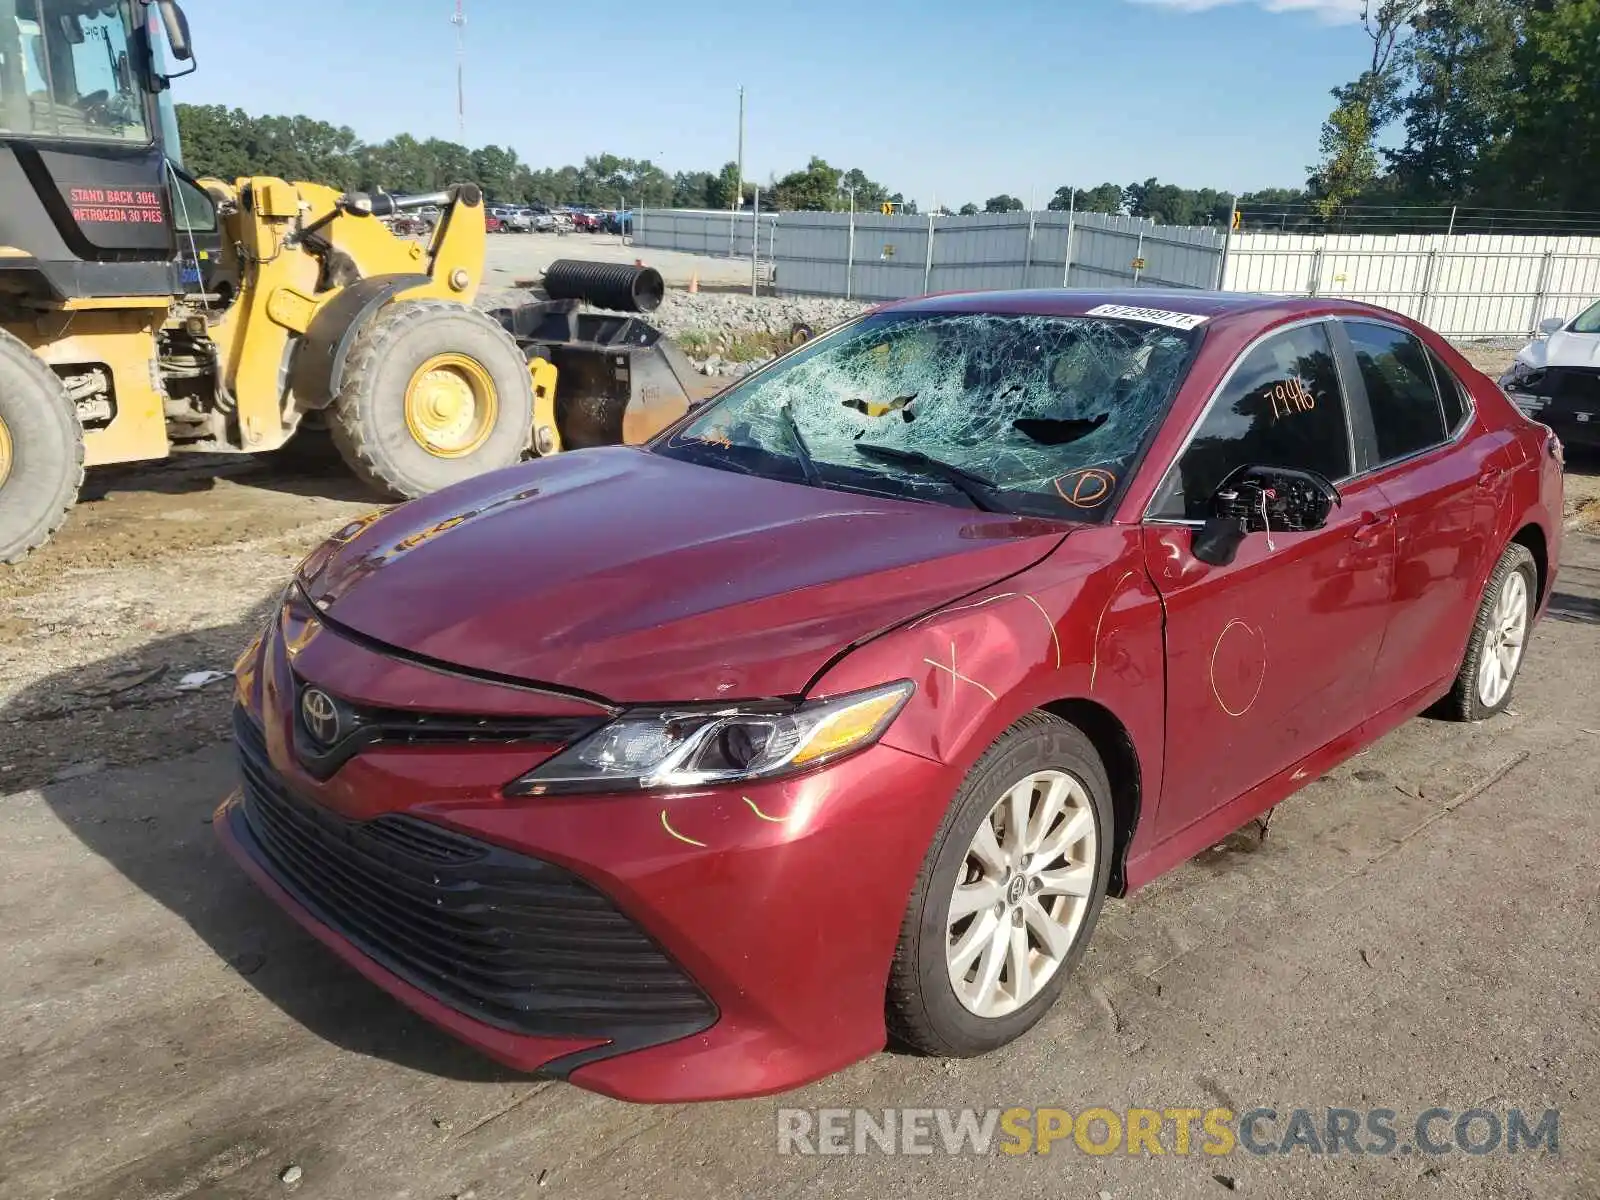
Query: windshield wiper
{"x": 797, "y": 442}
{"x": 969, "y": 483}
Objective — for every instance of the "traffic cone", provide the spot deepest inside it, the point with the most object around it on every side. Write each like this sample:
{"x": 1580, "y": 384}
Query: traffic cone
{"x": 694, "y": 283}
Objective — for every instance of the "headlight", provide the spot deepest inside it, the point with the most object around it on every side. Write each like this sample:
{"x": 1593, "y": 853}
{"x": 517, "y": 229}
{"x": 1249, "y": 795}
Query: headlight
{"x": 1522, "y": 378}
{"x": 684, "y": 748}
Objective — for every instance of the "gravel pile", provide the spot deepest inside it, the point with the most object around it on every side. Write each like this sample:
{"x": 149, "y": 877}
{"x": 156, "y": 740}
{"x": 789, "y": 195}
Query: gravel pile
{"x": 728, "y": 334}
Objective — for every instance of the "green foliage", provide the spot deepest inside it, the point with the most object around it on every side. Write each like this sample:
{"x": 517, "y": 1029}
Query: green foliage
{"x": 968, "y": 210}
{"x": 815, "y": 189}
{"x": 1349, "y": 161}
{"x": 1551, "y": 153}
{"x": 1002, "y": 204}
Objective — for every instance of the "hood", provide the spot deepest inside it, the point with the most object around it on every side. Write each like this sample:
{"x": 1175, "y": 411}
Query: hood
{"x": 639, "y": 578}
{"x": 1562, "y": 349}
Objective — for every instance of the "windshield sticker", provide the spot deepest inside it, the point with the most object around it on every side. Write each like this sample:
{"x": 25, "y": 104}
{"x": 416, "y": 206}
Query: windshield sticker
{"x": 1087, "y": 488}
{"x": 1152, "y": 316}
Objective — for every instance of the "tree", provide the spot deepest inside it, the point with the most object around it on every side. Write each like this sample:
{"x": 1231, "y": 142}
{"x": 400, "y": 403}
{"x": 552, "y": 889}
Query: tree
{"x": 1553, "y": 148}
{"x": 1002, "y": 204}
{"x": 816, "y": 189}
{"x": 968, "y": 210}
{"x": 1349, "y": 161}
{"x": 726, "y": 189}
{"x": 496, "y": 170}
{"x": 1462, "y": 59}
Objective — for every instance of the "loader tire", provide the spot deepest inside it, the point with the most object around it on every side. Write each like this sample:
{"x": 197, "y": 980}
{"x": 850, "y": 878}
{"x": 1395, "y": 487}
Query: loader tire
{"x": 41, "y": 451}
{"x": 434, "y": 392}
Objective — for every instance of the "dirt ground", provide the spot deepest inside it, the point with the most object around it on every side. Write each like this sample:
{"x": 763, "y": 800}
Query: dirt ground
{"x": 1417, "y": 930}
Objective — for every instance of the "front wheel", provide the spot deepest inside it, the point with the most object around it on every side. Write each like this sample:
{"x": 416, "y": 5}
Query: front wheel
{"x": 435, "y": 392}
{"x": 1008, "y": 895}
{"x": 1499, "y": 635}
{"x": 41, "y": 451}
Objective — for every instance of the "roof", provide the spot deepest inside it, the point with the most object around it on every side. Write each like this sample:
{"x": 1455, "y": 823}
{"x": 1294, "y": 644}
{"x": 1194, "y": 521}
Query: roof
{"x": 1073, "y": 302}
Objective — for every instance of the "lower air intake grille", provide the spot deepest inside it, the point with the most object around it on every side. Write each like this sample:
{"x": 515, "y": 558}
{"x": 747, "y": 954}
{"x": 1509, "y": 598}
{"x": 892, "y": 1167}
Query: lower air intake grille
{"x": 513, "y": 941}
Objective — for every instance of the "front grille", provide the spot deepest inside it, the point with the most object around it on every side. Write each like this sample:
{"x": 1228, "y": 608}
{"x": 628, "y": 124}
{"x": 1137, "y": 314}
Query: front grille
{"x": 511, "y": 940}
{"x": 1578, "y": 385}
{"x": 364, "y": 726}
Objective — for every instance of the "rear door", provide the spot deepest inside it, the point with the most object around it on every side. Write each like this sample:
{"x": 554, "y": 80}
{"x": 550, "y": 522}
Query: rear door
{"x": 1413, "y": 420}
{"x": 1269, "y": 657}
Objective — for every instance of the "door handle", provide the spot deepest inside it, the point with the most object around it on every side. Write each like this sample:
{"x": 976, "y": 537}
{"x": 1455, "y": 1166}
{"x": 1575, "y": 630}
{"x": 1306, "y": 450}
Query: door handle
{"x": 1372, "y": 526}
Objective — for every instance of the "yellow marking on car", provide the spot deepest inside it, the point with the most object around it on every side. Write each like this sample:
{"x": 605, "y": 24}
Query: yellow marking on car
{"x": 688, "y": 841}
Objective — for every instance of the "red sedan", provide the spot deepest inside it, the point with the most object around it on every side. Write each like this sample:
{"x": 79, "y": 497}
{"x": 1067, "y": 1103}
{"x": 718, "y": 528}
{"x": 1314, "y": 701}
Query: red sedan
{"x": 834, "y": 714}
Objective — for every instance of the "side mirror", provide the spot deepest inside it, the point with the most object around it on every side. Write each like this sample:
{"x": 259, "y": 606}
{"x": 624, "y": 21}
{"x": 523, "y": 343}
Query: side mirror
{"x": 1259, "y": 499}
{"x": 177, "y": 27}
{"x": 1551, "y": 325}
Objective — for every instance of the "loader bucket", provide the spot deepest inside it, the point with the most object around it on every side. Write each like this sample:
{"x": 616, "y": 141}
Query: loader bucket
{"x": 619, "y": 378}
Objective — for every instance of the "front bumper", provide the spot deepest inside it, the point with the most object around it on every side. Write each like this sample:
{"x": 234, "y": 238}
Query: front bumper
{"x": 707, "y": 945}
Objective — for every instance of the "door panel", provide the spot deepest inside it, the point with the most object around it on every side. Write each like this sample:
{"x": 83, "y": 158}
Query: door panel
{"x": 1270, "y": 657}
{"x": 1444, "y": 516}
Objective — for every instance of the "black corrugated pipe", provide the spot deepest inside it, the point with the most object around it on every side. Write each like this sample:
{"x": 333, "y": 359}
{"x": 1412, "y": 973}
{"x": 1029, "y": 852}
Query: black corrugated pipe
{"x": 616, "y": 286}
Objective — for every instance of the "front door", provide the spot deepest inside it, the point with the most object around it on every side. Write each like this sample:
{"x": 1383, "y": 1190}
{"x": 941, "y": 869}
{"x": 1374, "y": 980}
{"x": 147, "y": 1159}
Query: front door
{"x": 1268, "y": 658}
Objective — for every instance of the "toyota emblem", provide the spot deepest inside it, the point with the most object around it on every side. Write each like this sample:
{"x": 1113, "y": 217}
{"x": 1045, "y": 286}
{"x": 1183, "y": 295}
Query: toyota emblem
{"x": 320, "y": 715}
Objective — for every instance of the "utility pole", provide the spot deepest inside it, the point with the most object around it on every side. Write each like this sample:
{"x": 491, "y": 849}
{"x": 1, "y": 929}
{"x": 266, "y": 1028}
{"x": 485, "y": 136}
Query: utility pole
{"x": 738, "y": 191}
{"x": 460, "y": 22}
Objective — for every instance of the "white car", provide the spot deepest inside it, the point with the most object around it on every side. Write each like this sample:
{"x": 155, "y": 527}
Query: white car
{"x": 1556, "y": 377}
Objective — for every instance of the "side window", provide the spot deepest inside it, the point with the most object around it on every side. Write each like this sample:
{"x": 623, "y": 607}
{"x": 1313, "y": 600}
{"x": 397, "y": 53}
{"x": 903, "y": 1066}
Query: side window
{"x": 1406, "y": 415}
{"x": 1452, "y": 395}
{"x": 193, "y": 209}
{"x": 1281, "y": 408}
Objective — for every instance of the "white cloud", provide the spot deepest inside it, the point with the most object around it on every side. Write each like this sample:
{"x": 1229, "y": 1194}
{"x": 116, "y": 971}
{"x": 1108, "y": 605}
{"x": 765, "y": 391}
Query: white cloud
{"x": 1327, "y": 10}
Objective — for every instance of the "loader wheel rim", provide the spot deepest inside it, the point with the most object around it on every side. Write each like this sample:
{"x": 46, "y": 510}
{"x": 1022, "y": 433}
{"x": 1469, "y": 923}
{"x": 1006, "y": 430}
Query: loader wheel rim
{"x": 5, "y": 452}
{"x": 451, "y": 405}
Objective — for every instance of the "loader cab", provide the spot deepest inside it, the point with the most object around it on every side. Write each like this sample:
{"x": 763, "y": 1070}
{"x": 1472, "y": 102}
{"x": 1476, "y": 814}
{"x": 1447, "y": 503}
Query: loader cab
{"x": 93, "y": 207}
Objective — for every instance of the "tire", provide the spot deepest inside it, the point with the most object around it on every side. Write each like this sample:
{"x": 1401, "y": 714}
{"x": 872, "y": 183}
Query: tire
{"x": 1513, "y": 573}
{"x": 41, "y": 451}
{"x": 924, "y": 1011}
{"x": 369, "y": 418}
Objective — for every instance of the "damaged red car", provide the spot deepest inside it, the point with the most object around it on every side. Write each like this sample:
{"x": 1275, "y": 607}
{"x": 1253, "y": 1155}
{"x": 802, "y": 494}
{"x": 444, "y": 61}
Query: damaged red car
{"x": 835, "y": 713}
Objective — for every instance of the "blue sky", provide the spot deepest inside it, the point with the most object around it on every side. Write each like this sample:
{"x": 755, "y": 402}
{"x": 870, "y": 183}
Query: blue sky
{"x": 953, "y": 100}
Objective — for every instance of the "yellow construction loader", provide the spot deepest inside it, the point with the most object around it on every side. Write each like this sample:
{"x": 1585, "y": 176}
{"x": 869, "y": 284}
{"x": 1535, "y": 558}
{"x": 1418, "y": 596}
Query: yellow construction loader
{"x": 145, "y": 312}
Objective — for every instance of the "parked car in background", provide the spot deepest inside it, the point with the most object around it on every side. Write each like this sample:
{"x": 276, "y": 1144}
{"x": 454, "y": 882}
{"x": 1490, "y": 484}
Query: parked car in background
{"x": 586, "y": 222}
{"x": 1556, "y": 377}
{"x": 618, "y": 222}
{"x": 518, "y": 220}
{"x": 492, "y": 224}
{"x": 914, "y": 647}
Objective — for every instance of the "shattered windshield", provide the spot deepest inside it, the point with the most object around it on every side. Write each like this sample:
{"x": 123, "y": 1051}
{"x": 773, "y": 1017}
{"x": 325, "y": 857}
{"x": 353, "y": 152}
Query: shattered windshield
{"x": 1019, "y": 413}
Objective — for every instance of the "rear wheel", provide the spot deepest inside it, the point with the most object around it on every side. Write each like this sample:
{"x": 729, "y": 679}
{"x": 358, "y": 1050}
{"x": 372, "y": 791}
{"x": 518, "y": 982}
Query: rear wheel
{"x": 434, "y": 393}
{"x": 41, "y": 451}
{"x": 1008, "y": 895}
{"x": 1499, "y": 635}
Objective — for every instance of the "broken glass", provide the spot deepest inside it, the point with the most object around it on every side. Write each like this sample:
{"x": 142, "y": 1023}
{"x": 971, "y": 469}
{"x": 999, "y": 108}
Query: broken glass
{"x": 1052, "y": 411}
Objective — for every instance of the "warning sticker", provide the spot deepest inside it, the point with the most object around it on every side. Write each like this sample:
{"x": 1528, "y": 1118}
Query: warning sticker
{"x": 1153, "y": 316}
{"x": 116, "y": 206}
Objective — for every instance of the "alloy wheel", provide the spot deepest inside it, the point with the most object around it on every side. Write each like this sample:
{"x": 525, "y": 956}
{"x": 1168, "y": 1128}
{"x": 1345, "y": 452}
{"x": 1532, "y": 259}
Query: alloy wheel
{"x": 1020, "y": 900}
{"x": 1503, "y": 640}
